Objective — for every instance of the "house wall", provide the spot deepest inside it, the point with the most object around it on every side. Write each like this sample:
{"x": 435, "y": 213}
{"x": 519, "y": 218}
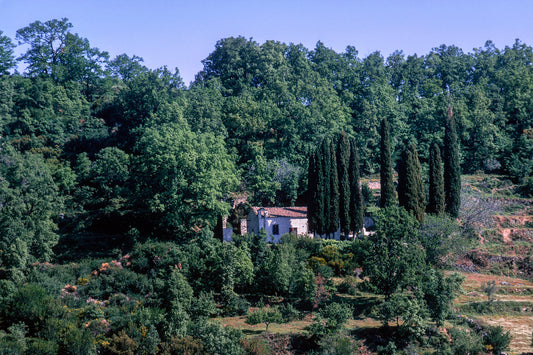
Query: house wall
{"x": 255, "y": 223}
{"x": 252, "y": 223}
{"x": 284, "y": 223}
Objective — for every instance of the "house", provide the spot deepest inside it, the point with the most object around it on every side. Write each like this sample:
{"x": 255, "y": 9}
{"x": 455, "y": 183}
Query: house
{"x": 277, "y": 221}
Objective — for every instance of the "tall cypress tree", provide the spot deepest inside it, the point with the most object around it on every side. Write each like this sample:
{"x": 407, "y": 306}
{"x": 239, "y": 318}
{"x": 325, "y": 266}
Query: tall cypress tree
{"x": 343, "y": 162}
{"x": 321, "y": 192}
{"x": 388, "y": 196}
{"x": 312, "y": 193}
{"x": 356, "y": 196}
{"x": 325, "y": 174}
{"x": 452, "y": 168}
{"x": 332, "y": 221}
{"x": 436, "y": 182}
{"x": 411, "y": 194}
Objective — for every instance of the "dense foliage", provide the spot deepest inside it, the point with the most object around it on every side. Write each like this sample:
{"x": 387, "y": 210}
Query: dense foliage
{"x": 104, "y": 159}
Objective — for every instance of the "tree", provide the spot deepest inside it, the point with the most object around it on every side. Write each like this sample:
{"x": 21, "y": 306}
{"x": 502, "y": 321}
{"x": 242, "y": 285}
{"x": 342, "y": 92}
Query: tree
{"x": 357, "y": 208}
{"x": 331, "y": 187}
{"x": 324, "y": 190}
{"x": 409, "y": 309}
{"x": 490, "y": 289}
{"x": 315, "y": 203}
{"x": 452, "y": 168}
{"x": 343, "y": 173}
{"x": 30, "y": 205}
{"x": 388, "y": 196}
{"x": 330, "y": 320}
{"x": 436, "y": 182}
{"x": 265, "y": 315}
{"x": 397, "y": 261}
{"x": 182, "y": 178}
{"x": 126, "y": 68}
{"x": 439, "y": 293}
{"x": 442, "y": 237}
{"x": 57, "y": 53}
{"x": 6, "y": 54}
{"x": 411, "y": 193}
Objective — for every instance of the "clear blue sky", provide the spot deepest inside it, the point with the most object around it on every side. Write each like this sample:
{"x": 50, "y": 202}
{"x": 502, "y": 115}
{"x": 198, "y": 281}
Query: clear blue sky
{"x": 183, "y": 33}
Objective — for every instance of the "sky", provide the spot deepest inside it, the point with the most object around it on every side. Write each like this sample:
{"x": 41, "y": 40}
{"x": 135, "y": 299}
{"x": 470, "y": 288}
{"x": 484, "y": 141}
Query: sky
{"x": 180, "y": 34}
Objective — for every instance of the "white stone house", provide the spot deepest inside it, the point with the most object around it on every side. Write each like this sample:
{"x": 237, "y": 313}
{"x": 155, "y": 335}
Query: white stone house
{"x": 277, "y": 221}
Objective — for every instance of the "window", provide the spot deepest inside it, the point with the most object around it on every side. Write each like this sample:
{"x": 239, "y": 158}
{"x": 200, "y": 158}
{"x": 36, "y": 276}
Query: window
{"x": 275, "y": 229}
{"x": 293, "y": 230}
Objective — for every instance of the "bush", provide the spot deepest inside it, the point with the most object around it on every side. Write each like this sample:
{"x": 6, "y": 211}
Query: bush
{"x": 122, "y": 344}
{"x": 43, "y": 347}
{"x": 526, "y": 189}
{"x": 348, "y": 286}
{"x": 15, "y": 341}
{"x": 186, "y": 346}
{"x": 256, "y": 346}
{"x": 465, "y": 342}
{"x": 216, "y": 339}
{"x": 289, "y": 313}
{"x": 330, "y": 319}
{"x": 497, "y": 340}
{"x": 234, "y": 305}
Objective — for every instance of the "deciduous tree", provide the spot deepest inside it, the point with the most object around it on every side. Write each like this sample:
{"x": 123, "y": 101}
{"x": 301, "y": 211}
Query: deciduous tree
{"x": 397, "y": 261}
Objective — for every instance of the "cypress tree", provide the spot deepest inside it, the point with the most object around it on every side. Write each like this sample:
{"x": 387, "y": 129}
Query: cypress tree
{"x": 411, "y": 194}
{"x": 452, "y": 168}
{"x": 312, "y": 193}
{"x": 324, "y": 174}
{"x": 343, "y": 161}
{"x": 321, "y": 193}
{"x": 436, "y": 182}
{"x": 332, "y": 219}
{"x": 388, "y": 197}
{"x": 356, "y": 196}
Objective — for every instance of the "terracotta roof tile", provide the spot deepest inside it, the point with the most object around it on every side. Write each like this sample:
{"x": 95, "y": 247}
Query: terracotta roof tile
{"x": 293, "y": 212}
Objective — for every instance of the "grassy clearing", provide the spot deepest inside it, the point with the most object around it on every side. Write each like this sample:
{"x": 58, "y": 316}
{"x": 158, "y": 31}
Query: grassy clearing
{"x": 512, "y": 308}
{"x": 297, "y": 326}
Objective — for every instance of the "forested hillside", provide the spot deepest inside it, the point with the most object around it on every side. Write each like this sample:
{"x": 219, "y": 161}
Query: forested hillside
{"x": 100, "y": 153}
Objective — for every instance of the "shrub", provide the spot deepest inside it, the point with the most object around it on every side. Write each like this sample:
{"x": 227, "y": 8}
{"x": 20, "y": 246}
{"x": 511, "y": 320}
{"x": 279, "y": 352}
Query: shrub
{"x": 121, "y": 343}
{"x": 186, "y": 346}
{"x": 527, "y": 188}
{"x": 465, "y": 342}
{"x": 15, "y": 341}
{"x": 256, "y": 346}
{"x": 289, "y": 313}
{"x": 497, "y": 340}
{"x": 348, "y": 286}
{"x": 43, "y": 347}
{"x": 234, "y": 305}
{"x": 216, "y": 339}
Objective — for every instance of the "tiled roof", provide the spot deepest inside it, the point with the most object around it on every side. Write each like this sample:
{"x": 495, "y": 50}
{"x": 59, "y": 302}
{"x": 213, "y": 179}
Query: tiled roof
{"x": 293, "y": 212}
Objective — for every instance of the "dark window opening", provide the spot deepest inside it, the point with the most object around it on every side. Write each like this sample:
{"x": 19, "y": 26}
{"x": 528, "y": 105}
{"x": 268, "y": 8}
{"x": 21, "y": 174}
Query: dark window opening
{"x": 275, "y": 229}
{"x": 293, "y": 230}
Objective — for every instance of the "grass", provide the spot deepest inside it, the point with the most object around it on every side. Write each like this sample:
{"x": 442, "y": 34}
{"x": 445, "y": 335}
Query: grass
{"x": 512, "y": 308}
{"x": 520, "y": 328}
{"x": 297, "y": 326}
